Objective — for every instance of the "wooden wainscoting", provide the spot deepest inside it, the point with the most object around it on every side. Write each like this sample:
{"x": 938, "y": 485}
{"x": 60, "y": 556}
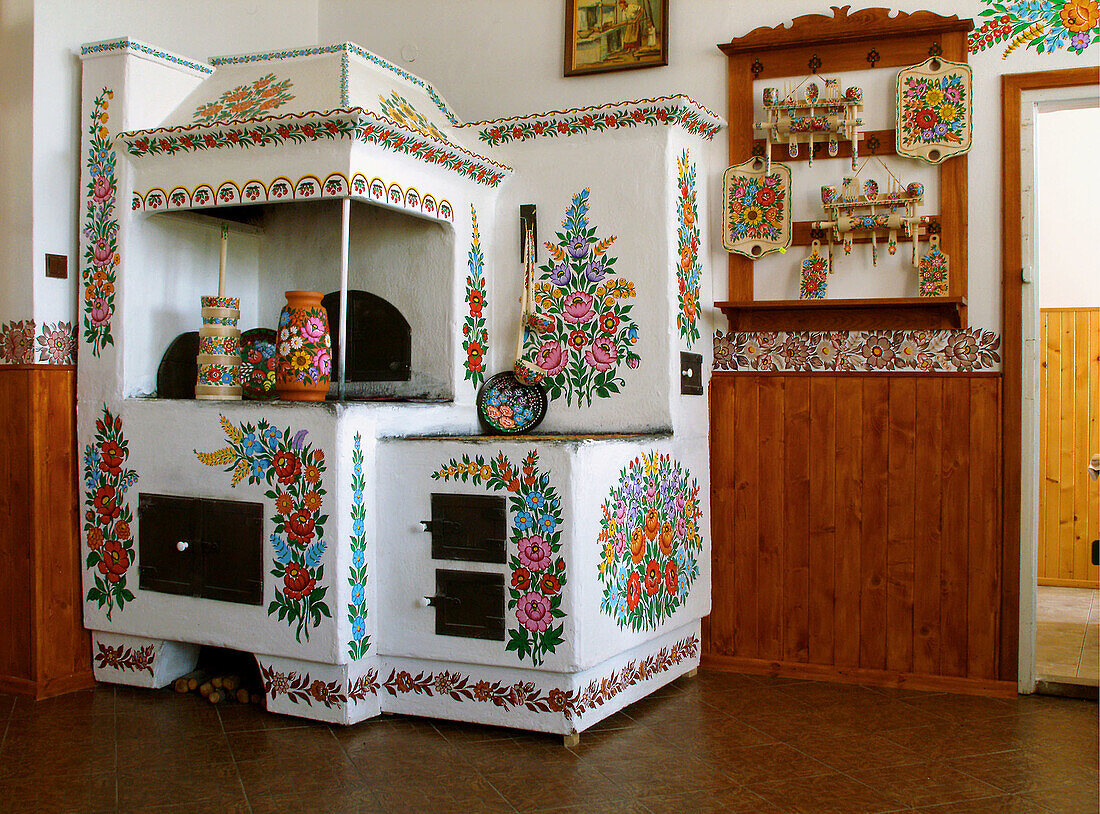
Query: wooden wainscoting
{"x": 857, "y": 529}
{"x": 44, "y": 649}
{"x": 1069, "y": 429}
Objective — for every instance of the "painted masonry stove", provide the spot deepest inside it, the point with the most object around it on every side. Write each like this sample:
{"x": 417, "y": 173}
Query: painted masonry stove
{"x": 377, "y": 553}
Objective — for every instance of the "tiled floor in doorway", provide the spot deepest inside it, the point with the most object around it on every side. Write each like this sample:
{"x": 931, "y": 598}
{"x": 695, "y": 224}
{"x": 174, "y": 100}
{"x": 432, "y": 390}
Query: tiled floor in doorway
{"x": 1068, "y": 645}
{"x": 715, "y": 743}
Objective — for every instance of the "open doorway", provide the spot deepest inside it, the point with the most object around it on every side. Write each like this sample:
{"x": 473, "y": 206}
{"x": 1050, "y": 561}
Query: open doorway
{"x": 1025, "y": 97}
{"x": 1066, "y": 272}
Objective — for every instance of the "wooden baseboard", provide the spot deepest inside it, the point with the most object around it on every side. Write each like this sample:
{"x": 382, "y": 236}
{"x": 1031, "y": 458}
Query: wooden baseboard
{"x": 17, "y": 686}
{"x": 1069, "y": 583}
{"x": 66, "y": 684}
{"x": 857, "y": 675}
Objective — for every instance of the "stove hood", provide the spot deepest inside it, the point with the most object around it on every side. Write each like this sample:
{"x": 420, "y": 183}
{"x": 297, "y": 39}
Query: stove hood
{"x": 331, "y": 121}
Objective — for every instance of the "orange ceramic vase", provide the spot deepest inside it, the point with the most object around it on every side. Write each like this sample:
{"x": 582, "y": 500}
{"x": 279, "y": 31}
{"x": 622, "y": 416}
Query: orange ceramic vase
{"x": 304, "y": 370}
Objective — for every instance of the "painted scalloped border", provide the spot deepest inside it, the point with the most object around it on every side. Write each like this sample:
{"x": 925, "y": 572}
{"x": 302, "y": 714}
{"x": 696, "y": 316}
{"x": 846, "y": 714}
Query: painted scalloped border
{"x": 282, "y": 189}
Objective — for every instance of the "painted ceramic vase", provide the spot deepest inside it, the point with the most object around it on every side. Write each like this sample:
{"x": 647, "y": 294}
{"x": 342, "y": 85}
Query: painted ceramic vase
{"x": 304, "y": 369}
{"x": 219, "y": 360}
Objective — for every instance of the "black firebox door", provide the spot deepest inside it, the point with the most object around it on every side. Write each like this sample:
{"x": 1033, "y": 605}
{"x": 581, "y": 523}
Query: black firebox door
{"x": 469, "y": 604}
{"x": 199, "y": 547}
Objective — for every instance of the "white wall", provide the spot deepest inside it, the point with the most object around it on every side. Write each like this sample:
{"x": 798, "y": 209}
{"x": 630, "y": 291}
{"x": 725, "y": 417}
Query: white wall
{"x": 1068, "y": 207}
{"x": 197, "y": 29}
{"x": 493, "y": 58}
{"x": 489, "y": 58}
{"x": 16, "y": 26}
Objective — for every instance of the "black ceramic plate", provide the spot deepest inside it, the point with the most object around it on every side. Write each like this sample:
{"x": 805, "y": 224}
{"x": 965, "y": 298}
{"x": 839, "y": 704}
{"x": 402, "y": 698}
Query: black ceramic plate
{"x": 507, "y": 406}
{"x": 179, "y": 368}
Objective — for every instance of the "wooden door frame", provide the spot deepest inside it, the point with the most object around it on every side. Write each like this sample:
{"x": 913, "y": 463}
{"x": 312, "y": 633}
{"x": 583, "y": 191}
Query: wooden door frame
{"x": 1013, "y": 86}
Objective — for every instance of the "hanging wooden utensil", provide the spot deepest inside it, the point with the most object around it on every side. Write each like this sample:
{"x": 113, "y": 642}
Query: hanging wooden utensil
{"x": 514, "y": 402}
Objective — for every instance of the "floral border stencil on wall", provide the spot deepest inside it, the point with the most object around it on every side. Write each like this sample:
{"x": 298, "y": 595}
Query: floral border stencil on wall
{"x": 593, "y": 331}
{"x": 475, "y": 335}
{"x": 246, "y": 101}
{"x": 933, "y": 351}
{"x": 100, "y": 229}
{"x": 292, "y": 471}
{"x": 108, "y": 519}
{"x": 357, "y": 574}
{"x": 538, "y": 570}
{"x": 649, "y": 539}
{"x": 1045, "y": 25}
{"x": 55, "y": 343}
{"x": 689, "y": 270}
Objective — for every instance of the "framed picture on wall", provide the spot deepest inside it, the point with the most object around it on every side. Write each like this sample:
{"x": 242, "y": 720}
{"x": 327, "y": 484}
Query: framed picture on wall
{"x": 615, "y": 35}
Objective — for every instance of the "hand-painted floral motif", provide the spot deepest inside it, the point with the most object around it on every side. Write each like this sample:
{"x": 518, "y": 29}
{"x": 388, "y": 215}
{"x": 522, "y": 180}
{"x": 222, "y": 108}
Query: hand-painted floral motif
{"x": 965, "y": 351}
{"x": 120, "y": 657}
{"x": 689, "y": 269}
{"x": 108, "y": 520}
{"x": 475, "y": 334}
{"x": 593, "y": 333}
{"x": 357, "y": 574}
{"x": 246, "y": 101}
{"x": 814, "y": 278}
{"x": 56, "y": 344}
{"x": 508, "y": 406}
{"x": 538, "y": 570}
{"x": 649, "y": 539}
{"x": 100, "y": 230}
{"x": 400, "y": 110}
{"x": 17, "y": 342}
{"x": 572, "y": 704}
{"x": 1045, "y": 25}
{"x": 597, "y": 119}
{"x": 259, "y": 358}
{"x": 304, "y": 346}
{"x": 932, "y": 273}
{"x": 302, "y": 129}
{"x": 934, "y": 110}
{"x": 293, "y": 472}
{"x": 301, "y": 688}
{"x": 755, "y": 207}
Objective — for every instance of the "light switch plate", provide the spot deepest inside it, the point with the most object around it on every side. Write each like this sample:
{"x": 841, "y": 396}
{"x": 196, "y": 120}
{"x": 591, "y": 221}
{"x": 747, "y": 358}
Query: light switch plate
{"x": 691, "y": 374}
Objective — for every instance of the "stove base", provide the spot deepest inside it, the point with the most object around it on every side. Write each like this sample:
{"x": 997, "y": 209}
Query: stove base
{"x": 536, "y": 700}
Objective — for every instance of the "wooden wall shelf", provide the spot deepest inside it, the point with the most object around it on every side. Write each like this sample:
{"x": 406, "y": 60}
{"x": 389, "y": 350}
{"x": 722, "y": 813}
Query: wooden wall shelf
{"x": 877, "y": 143}
{"x": 831, "y": 44}
{"x": 901, "y": 313}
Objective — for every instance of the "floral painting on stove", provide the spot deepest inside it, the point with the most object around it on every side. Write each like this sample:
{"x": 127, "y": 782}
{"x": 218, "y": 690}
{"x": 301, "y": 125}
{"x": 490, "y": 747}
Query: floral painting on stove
{"x": 108, "y": 519}
{"x": 649, "y": 542}
{"x": 292, "y": 470}
{"x": 593, "y": 332}
{"x": 538, "y": 570}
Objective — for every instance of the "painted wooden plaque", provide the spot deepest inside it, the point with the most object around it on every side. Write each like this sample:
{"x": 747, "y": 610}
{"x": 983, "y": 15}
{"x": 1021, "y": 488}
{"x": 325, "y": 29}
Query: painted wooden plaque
{"x": 935, "y": 110}
{"x": 756, "y": 208}
{"x": 932, "y": 273}
{"x": 814, "y": 278}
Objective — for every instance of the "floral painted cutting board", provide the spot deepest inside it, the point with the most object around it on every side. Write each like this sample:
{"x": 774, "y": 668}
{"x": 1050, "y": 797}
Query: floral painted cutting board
{"x": 934, "y": 109}
{"x": 756, "y": 208}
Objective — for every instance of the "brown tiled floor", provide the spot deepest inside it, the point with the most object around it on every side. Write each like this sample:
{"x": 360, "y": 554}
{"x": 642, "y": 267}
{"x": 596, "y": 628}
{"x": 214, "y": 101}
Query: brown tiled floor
{"x": 715, "y": 743}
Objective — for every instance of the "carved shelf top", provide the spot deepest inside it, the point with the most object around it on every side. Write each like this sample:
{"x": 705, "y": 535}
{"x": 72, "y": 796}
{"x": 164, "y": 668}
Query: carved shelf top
{"x": 843, "y": 27}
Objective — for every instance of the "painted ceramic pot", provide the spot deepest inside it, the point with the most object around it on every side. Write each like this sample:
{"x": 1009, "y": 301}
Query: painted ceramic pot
{"x": 853, "y": 95}
{"x": 915, "y": 190}
{"x": 771, "y": 96}
{"x": 304, "y": 369}
{"x": 828, "y": 194}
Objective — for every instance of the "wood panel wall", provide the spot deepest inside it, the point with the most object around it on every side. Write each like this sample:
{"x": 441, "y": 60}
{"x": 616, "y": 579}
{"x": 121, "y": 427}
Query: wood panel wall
{"x": 1069, "y": 430}
{"x": 44, "y": 649}
{"x": 857, "y": 529}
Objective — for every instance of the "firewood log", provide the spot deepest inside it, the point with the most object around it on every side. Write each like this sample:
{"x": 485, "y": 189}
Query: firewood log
{"x": 243, "y": 696}
{"x": 205, "y": 689}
